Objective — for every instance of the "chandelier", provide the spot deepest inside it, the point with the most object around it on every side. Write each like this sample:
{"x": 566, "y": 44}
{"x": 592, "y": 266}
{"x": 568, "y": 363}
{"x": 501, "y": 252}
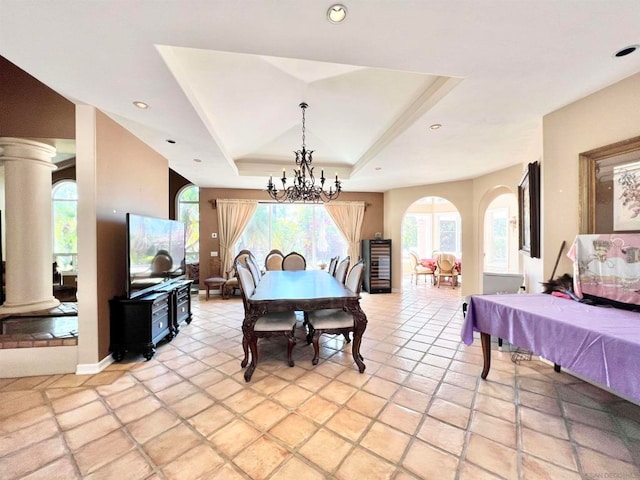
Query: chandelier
{"x": 304, "y": 188}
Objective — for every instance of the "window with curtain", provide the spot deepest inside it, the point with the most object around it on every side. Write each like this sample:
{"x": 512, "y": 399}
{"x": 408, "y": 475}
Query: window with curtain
{"x": 305, "y": 228}
{"x": 188, "y": 211}
{"x": 64, "y": 196}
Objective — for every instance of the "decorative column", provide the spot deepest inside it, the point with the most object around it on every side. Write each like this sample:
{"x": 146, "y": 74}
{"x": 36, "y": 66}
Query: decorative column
{"x": 29, "y": 244}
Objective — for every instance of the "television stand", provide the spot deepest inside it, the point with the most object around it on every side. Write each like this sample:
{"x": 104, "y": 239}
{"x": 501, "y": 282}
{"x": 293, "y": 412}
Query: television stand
{"x": 140, "y": 324}
{"x": 180, "y": 301}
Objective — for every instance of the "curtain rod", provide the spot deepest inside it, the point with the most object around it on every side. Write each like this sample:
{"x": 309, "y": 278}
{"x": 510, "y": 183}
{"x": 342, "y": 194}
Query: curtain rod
{"x": 213, "y": 203}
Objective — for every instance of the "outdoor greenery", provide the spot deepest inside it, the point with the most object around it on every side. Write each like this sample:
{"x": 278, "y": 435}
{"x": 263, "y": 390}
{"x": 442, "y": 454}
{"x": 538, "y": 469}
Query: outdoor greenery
{"x": 65, "y": 224}
{"x": 189, "y": 213}
{"x": 500, "y": 254}
{"x": 303, "y": 228}
{"x": 410, "y": 233}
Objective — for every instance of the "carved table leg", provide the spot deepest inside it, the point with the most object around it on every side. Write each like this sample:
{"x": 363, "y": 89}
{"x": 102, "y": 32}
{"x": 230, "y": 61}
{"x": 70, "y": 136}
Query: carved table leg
{"x": 245, "y": 349}
{"x": 485, "y": 338}
{"x": 291, "y": 339}
{"x": 316, "y": 346}
{"x": 250, "y": 339}
{"x": 357, "y": 339}
{"x": 360, "y": 325}
{"x": 253, "y": 345}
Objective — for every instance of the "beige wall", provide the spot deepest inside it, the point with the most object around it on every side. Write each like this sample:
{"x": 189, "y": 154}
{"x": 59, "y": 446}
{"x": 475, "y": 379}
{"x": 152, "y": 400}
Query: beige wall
{"x": 431, "y": 208}
{"x": 116, "y": 173}
{"x": 372, "y": 223}
{"x": 608, "y": 116}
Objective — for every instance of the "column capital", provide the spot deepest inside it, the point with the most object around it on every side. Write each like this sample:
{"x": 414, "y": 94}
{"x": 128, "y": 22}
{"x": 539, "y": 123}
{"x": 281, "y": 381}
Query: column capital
{"x": 20, "y": 149}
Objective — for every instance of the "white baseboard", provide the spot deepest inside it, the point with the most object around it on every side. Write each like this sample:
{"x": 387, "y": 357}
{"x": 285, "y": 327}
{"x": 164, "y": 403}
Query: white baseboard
{"x": 93, "y": 368}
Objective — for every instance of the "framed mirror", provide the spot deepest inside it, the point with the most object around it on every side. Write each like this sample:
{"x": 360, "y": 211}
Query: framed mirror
{"x": 609, "y": 187}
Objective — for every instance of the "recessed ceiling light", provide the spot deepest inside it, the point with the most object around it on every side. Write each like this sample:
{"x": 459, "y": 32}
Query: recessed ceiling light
{"x": 626, "y": 51}
{"x": 197, "y": 160}
{"x": 435, "y": 126}
{"x": 336, "y": 13}
{"x": 141, "y": 105}
{"x": 170, "y": 141}
{"x": 378, "y": 168}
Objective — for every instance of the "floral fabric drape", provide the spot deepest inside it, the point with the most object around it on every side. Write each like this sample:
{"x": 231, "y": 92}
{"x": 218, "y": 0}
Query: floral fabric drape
{"x": 233, "y": 217}
{"x": 348, "y": 217}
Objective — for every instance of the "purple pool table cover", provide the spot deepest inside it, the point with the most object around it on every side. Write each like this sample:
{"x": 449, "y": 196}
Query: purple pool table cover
{"x": 598, "y": 343}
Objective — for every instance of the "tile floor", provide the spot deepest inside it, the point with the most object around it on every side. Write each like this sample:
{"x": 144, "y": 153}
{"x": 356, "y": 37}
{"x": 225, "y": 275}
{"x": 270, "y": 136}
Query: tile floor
{"x": 420, "y": 410}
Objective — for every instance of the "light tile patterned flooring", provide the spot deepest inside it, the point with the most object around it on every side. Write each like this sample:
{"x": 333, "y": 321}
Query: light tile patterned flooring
{"x": 419, "y": 411}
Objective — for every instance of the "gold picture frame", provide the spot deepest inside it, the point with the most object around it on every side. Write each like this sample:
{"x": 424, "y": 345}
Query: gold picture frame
{"x": 600, "y": 200}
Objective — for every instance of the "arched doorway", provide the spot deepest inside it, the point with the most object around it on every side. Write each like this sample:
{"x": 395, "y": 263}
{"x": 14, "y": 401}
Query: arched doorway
{"x": 430, "y": 225}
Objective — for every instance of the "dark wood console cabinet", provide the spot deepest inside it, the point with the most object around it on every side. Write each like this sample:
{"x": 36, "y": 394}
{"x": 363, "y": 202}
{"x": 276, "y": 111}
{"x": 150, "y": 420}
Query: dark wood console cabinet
{"x": 180, "y": 301}
{"x": 139, "y": 324}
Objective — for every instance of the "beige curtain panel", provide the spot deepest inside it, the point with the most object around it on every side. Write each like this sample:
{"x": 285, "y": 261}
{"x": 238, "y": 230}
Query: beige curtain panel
{"x": 233, "y": 217}
{"x": 348, "y": 217}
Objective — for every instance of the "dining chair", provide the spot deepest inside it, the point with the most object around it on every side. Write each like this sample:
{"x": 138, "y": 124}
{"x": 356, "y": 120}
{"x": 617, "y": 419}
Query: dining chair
{"x": 243, "y": 255}
{"x": 267, "y": 325}
{"x": 334, "y": 321}
{"x": 193, "y": 273}
{"x": 294, "y": 261}
{"x": 273, "y": 260}
{"x": 232, "y": 283}
{"x": 333, "y": 263}
{"x": 254, "y": 269}
{"x": 417, "y": 268}
{"x": 216, "y": 279}
{"x": 446, "y": 269}
{"x": 342, "y": 268}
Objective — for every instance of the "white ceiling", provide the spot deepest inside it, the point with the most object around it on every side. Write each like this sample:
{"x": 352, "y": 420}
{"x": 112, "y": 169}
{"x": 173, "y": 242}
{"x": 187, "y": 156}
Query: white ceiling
{"x": 224, "y": 79}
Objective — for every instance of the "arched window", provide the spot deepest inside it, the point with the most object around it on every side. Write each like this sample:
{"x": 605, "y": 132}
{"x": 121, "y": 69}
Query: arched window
{"x": 64, "y": 196}
{"x": 188, "y": 211}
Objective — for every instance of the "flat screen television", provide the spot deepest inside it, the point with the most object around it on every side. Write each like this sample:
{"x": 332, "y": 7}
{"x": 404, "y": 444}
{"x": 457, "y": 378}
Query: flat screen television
{"x": 155, "y": 253}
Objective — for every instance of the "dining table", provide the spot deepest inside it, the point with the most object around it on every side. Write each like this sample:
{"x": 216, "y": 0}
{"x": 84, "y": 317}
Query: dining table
{"x": 302, "y": 291}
